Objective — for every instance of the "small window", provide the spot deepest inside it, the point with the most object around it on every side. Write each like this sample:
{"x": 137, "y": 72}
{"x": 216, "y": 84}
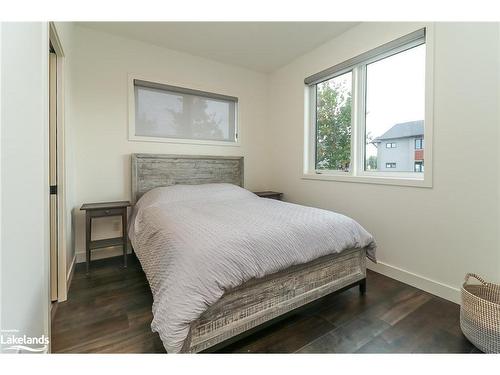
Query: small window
{"x": 172, "y": 113}
{"x": 390, "y": 145}
{"x": 419, "y": 144}
{"x": 390, "y": 165}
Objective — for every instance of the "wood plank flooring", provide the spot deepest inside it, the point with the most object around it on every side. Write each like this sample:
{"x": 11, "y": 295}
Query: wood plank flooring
{"x": 110, "y": 312}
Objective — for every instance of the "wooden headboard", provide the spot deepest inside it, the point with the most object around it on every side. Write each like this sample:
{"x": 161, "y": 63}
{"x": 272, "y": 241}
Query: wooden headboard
{"x": 154, "y": 170}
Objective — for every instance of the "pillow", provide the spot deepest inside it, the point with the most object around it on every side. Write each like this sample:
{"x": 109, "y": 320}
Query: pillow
{"x": 180, "y": 193}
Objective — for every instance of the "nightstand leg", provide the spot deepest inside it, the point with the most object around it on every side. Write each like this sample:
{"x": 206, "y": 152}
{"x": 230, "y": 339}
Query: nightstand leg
{"x": 124, "y": 234}
{"x": 88, "y": 234}
{"x": 362, "y": 287}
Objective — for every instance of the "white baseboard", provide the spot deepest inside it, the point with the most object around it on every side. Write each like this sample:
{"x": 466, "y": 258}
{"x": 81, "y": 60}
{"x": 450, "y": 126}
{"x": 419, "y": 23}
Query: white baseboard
{"x": 71, "y": 268}
{"x": 418, "y": 281}
{"x": 107, "y": 252}
{"x": 70, "y": 272}
{"x": 63, "y": 295}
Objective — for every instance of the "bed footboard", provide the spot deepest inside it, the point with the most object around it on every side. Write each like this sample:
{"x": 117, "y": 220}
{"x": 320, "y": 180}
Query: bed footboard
{"x": 262, "y": 300}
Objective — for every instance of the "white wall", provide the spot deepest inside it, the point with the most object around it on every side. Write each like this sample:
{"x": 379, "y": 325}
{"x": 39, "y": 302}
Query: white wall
{"x": 24, "y": 294}
{"x": 100, "y": 66}
{"x": 429, "y": 237}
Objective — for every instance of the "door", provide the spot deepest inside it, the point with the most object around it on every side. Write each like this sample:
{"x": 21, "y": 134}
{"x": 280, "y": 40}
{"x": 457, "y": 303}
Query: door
{"x": 53, "y": 173}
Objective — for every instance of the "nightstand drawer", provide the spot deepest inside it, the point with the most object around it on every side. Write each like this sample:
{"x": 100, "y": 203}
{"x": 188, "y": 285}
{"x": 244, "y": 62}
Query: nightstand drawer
{"x": 106, "y": 212}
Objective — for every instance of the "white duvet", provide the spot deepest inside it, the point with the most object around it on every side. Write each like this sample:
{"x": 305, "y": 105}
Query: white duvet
{"x": 195, "y": 242}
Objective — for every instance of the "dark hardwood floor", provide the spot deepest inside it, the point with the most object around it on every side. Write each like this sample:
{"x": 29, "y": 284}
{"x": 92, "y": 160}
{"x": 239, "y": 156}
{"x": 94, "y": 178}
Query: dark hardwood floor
{"x": 110, "y": 312}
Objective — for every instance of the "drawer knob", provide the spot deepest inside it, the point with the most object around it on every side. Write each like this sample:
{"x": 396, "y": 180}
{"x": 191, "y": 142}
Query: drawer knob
{"x": 107, "y": 212}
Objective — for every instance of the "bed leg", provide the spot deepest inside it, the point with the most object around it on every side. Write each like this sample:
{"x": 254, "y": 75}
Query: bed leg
{"x": 362, "y": 287}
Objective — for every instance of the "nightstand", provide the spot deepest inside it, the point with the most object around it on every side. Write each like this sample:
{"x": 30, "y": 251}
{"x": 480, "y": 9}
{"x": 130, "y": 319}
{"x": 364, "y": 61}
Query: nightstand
{"x": 269, "y": 194}
{"x": 105, "y": 209}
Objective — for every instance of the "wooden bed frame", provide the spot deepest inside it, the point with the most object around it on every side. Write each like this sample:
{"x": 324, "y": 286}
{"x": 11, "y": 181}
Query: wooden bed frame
{"x": 258, "y": 302}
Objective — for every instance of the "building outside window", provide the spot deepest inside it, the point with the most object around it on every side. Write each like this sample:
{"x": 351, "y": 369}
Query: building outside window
{"x": 406, "y": 154}
{"x": 419, "y": 144}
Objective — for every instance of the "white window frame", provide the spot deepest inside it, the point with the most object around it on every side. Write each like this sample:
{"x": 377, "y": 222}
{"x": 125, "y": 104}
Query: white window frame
{"x": 131, "y": 117}
{"x": 357, "y": 171}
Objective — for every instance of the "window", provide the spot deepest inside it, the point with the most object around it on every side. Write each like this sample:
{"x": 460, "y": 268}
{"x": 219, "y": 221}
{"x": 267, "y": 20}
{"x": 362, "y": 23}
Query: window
{"x": 419, "y": 144}
{"x": 169, "y": 113}
{"x": 368, "y": 108}
{"x": 419, "y": 166}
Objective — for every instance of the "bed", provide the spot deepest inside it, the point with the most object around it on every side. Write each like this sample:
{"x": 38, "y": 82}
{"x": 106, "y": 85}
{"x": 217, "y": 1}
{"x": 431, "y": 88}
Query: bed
{"x": 222, "y": 262}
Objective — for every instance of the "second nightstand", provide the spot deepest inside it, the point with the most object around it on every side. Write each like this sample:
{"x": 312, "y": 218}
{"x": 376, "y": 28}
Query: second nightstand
{"x": 106, "y": 209}
{"x": 269, "y": 194}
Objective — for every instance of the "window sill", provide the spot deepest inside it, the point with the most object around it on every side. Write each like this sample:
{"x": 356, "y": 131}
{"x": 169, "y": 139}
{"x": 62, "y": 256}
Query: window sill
{"x": 397, "y": 181}
{"x": 200, "y": 142}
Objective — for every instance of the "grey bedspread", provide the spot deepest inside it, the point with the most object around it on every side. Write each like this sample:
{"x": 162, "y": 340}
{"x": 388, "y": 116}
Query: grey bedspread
{"x": 195, "y": 242}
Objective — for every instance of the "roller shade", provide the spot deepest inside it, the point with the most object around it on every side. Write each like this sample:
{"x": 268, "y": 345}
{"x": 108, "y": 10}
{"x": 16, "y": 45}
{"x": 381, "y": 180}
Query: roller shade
{"x": 416, "y": 37}
{"x": 164, "y": 111}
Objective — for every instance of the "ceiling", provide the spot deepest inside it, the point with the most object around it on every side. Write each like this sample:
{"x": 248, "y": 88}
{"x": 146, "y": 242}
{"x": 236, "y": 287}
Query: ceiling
{"x": 259, "y": 46}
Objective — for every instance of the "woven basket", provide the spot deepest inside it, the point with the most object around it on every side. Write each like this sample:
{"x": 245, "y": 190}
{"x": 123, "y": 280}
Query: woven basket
{"x": 480, "y": 314}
